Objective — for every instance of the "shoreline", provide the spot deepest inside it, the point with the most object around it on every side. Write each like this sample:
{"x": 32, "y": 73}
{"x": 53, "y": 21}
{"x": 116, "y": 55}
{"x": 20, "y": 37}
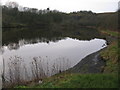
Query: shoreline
{"x": 93, "y": 63}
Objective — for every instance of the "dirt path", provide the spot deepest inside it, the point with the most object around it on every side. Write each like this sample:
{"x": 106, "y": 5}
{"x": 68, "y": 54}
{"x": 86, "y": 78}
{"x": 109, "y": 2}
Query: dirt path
{"x": 92, "y": 63}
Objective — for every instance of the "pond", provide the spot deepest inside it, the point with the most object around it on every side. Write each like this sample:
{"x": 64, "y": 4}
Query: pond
{"x": 32, "y": 54}
{"x": 49, "y": 57}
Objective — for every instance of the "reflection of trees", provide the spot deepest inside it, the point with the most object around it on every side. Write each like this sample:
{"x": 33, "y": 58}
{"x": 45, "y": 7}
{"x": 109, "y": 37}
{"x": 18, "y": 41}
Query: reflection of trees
{"x": 25, "y": 36}
{"x": 23, "y": 42}
{"x": 16, "y": 34}
{"x": 38, "y": 35}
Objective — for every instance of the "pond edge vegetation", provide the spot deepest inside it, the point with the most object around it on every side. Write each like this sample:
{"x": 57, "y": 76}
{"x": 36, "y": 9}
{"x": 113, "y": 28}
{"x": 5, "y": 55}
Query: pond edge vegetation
{"x": 52, "y": 20}
{"x": 106, "y": 79}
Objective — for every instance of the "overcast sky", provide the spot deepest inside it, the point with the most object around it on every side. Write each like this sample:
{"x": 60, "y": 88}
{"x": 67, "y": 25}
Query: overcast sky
{"x": 97, "y": 6}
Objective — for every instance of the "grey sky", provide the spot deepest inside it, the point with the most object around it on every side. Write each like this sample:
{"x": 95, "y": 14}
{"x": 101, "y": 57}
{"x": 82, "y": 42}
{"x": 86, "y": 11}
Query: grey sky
{"x": 70, "y": 5}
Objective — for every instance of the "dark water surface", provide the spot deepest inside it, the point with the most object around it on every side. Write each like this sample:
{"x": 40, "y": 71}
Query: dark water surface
{"x": 51, "y": 51}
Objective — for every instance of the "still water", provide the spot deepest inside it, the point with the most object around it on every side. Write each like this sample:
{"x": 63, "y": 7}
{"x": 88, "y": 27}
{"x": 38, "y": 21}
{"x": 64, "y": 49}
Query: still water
{"x": 62, "y": 54}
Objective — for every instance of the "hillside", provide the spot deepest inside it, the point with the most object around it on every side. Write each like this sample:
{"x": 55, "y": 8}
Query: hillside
{"x": 49, "y": 19}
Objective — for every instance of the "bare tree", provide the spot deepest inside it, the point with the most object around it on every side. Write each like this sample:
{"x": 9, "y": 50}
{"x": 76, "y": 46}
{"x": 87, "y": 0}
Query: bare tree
{"x": 12, "y": 4}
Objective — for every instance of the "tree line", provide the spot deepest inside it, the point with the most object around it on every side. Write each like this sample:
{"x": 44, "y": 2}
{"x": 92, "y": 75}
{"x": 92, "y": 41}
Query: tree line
{"x": 17, "y": 16}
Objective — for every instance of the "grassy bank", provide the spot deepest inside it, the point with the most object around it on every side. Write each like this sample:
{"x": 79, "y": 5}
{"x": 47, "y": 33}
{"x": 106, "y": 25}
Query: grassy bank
{"x": 107, "y": 79}
{"x": 111, "y": 53}
{"x": 110, "y": 33}
{"x": 78, "y": 81}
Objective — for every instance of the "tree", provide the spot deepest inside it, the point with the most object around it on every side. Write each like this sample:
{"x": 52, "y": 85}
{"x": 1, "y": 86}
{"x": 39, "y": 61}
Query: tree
{"x": 12, "y": 4}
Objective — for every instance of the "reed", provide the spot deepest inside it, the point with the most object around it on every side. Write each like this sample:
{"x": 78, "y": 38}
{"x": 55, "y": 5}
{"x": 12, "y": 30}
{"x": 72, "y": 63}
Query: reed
{"x": 18, "y": 73}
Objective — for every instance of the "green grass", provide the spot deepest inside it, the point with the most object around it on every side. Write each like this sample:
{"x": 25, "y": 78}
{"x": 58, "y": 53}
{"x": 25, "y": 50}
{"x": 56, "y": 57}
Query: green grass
{"x": 110, "y": 55}
{"x": 78, "y": 81}
{"x": 111, "y": 33}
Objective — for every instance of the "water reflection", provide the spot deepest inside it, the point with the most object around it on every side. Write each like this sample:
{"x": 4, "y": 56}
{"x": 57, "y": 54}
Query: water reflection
{"x": 15, "y": 35}
{"x": 23, "y": 42}
{"x": 33, "y": 54}
{"x": 66, "y": 45}
{"x": 62, "y": 54}
{"x": 1, "y": 51}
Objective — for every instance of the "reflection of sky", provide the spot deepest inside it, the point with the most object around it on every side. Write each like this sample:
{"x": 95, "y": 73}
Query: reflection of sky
{"x": 1, "y": 71}
{"x": 1, "y": 62}
{"x": 72, "y": 49}
{"x": 1, "y": 51}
